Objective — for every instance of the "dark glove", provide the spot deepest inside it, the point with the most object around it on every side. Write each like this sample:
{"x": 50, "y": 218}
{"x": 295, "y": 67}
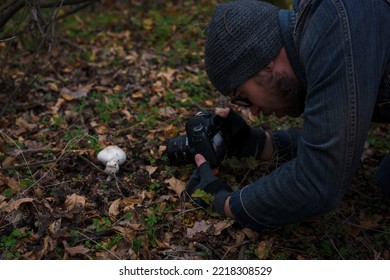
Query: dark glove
{"x": 204, "y": 179}
{"x": 242, "y": 140}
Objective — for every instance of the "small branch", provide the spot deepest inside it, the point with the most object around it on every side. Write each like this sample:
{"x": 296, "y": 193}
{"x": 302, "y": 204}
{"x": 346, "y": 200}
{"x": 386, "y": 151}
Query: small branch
{"x": 96, "y": 243}
{"x": 58, "y": 4}
{"x": 10, "y": 11}
{"x": 38, "y": 163}
{"x": 130, "y": 128}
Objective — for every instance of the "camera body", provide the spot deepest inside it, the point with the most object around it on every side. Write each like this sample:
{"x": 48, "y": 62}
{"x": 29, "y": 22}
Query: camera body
{"x": 203, "y": 136}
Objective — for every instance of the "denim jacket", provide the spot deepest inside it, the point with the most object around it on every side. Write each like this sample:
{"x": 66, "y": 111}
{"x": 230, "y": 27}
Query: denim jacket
{"x": 340, "y": 52}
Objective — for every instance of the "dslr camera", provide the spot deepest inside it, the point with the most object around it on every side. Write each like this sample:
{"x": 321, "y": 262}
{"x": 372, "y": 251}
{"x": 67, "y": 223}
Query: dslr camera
{"x": 203, "y": 136}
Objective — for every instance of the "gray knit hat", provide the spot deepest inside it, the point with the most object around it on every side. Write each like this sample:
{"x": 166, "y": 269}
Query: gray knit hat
{"x": 243, "y": 37}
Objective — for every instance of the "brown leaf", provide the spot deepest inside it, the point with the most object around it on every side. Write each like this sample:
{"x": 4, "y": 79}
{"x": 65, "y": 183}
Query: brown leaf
{"x": 117, "y": 88}
{"x": 14, "y": 205}
{"x": 74, "y": 203}
{"x": 161, "y": 150}
{"x": 221, "y": 225}
{"x": 127, "y": 114}
{"x": 167, "y": 112}
{"x": 3, "y": 201}
{"x": 57, "y": 106}
{"x": 262, "y": 249}
{"x": 150, "y": 169}
{"x": 48, "y": 245}
{"x": 198, "y": 227}
{"x": 102, "y": 129}
{"x": 250, "y": 234}
{"x": 24, "y": 124}
{"x": 52, "y": 86}
{"x": 81, "y": 91}
{"x": 137, "y": 95}
{"x": 371, "y": 222}
{"x": 128, "y": 234}
{"x": 13, "y": 184}
{"x": 77, "y": 250}
{"x": 130, "y": 202}
{"x": 167, "y": 75}
{"x": 55, "y": 228}
{"x": 114, "y": 208}
{"x": 158, "y": 87}
{"x": 9, "y": 182}
{"x": 240, "y": 237}
{"x": 176, "y": 185}
{"x": 162, "y": 245}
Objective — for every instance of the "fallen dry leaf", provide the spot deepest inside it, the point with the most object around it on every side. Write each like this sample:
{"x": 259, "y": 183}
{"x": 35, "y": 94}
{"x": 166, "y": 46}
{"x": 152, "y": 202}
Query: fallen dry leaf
{"x": 14, "y": 205}
{"x": 168, "y": 75}
{"x": 9, "y": 161}
{"x": 129, "y": 203}
{"x": 250, "y": 234}
{"x": 176, "y": 185}
{"x": 74, "y": 203}
{"x": 24, "y": 124}
{"x": 221, "y": 225}
{"x": 114, "y": 208}
{"x": 81, "y": 91}
{"x": 262, "y": 250}
{"x": 167, "y": 112}
{"x": 199, "y": 227}
{"x": 77, "y": 250}
{"x": 150, "y": 169}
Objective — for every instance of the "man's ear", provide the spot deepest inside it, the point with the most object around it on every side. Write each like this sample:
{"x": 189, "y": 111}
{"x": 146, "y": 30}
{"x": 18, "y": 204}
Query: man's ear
{"x": 269, "y": 67}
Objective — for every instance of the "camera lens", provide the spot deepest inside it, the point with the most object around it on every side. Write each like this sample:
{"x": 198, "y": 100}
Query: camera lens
{"x": 178, "y": 150}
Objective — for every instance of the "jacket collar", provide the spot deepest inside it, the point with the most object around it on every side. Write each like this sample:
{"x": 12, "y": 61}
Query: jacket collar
{"x": 287, "y": 23}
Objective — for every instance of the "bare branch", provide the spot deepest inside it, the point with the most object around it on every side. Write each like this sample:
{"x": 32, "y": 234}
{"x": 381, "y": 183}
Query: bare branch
{"x": 11, "y": 9}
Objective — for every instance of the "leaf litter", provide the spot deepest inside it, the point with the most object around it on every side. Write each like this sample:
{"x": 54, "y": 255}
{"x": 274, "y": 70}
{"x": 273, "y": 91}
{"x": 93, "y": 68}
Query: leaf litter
{"x": 55, "y": 201}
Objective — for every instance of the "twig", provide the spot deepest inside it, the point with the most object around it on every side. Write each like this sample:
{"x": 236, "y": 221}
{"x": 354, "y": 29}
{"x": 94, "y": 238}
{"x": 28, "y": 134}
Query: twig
{"x": 334, "y": 246}
{"x": 37, "y": 163}
{"x": 26, "y": 164}
{"x": 90, "y": 239}
{"x": 127, "y": 129}
{"x": 89, "y": 162}
{"x": 7, "y": 39}
{"x": 13, "y": 142}
{"x": 202, "y": 247}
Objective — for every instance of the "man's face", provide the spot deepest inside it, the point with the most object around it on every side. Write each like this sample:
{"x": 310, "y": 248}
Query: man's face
{"x": 271, "y": 92}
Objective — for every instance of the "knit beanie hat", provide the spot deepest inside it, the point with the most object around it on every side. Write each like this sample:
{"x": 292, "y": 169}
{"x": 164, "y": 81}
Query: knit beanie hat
{"x": 243, "y": 37}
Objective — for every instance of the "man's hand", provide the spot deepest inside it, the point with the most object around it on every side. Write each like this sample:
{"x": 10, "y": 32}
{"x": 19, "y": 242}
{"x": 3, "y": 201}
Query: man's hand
{"x": 203, "y": 178}
{"x": 242, "y": 140}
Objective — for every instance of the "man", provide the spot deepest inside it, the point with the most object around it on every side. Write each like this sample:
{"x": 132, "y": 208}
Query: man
{"x": 329, "y": 61}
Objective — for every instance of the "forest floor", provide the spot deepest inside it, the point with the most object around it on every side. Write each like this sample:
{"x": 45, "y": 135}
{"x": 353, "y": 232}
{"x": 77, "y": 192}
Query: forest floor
{"x": 131, "y": 76}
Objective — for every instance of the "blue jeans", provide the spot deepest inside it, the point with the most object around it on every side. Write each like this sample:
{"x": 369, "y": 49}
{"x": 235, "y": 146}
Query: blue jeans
{"x": 343, "y": 47}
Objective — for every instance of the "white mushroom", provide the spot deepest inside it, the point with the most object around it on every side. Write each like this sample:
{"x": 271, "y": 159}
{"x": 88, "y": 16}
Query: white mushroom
{"x": 112, "y": 157}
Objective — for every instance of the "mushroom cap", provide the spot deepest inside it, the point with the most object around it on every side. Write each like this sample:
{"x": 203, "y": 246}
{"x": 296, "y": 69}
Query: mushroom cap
{"x": 111, "y": 153}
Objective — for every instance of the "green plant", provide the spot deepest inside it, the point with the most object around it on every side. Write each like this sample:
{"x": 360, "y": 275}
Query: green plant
{"x": 76, "y": 135}
{"x": 137, "y": 244}
{"x": 105, "y": 105}
{"x": 151, "y": 224}
{"x": 11, "y": 240}
{"x": 101, "y": 224}
{"x": 155, "y": 186}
